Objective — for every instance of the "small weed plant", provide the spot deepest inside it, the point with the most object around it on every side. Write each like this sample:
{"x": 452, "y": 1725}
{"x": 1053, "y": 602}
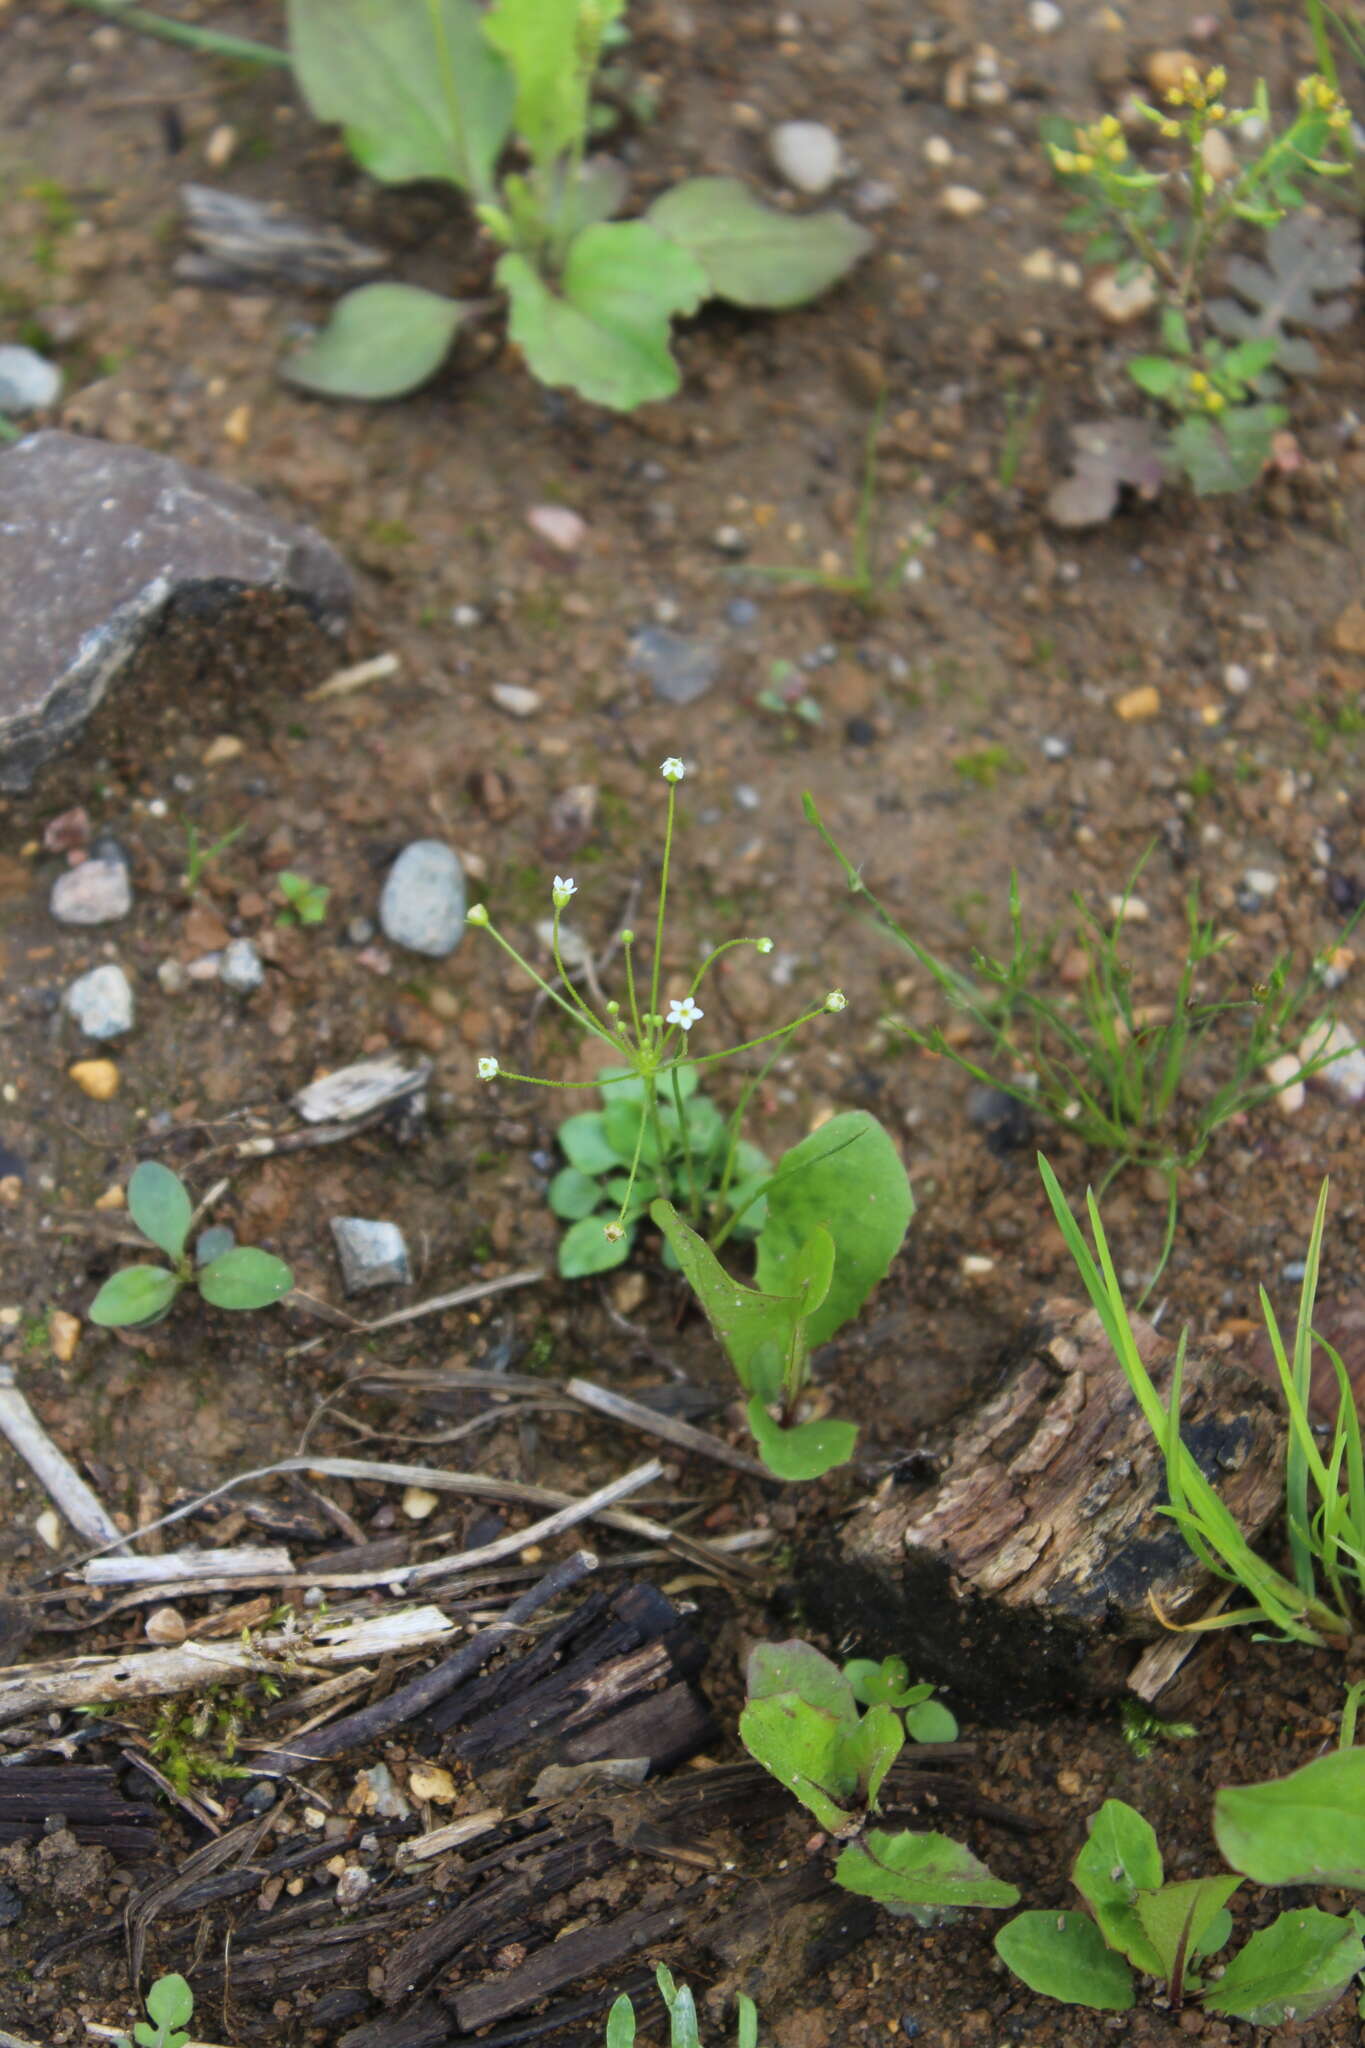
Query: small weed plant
{"x": 199, "y": 857}
{"x": 305, "y": 900}
{"x": 1123, "y": 1078}
{"x": 830, "y": 1736}
{"x": 438, "y": 90}
{"x": 226, "y": 1275}
{"x": 1218, "y": 374}
{"x": 682, "y": 2017}
{"x": 170, "y": 2008}
{"x": 1324, "y": 1488}
{"x": 826, "y": 1221}
{"x": 1306, "y": 1829}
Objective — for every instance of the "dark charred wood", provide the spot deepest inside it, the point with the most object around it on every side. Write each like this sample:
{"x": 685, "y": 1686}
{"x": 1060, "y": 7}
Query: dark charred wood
{"x": 86, "y": 1798}
{"x": 1025, "y": 1575}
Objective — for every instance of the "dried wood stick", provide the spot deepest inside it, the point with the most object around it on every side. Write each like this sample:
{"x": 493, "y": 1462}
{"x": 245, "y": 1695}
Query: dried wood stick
{"x": 53, "y": 1469}
{"x": 261, "y": 1561}
{"x": 370, "y": 1723}
{"x": 681, "y": 1434}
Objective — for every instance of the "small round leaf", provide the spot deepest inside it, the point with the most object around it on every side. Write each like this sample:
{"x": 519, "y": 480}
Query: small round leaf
{"x": 170, "y": 2002}
{"x": 160, "y": 1206}
{"x": 136, "y": 1295}
{"x": 585, "y": 1248}
{"x": 245, "y": 1278}
{"x": 572, "y": 1195}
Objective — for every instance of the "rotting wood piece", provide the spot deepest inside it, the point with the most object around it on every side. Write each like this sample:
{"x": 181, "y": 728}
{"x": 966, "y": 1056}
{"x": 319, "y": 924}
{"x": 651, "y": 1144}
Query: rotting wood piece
{"x": 85, "y": 1797}
{"x": 1024, "y": 1576}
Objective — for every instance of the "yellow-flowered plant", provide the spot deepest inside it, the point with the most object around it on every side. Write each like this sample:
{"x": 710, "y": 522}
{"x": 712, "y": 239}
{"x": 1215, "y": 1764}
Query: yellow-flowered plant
{"x": 1171, "y": 218}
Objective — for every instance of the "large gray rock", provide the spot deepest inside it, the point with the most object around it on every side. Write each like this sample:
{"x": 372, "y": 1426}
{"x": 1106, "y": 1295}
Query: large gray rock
{"x": 97, "y": 544}
{"x": 423, "y": 904}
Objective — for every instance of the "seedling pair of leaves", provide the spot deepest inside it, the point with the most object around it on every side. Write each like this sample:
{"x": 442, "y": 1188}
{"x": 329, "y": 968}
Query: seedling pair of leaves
{"x": 682, "y": 2017}
{"x": 600, "y": 1146}
{"x": 170, "y": 2008}
{"x": 227, "y": 1275}
{"x": 1307, "y": 1829}
{"x": 803, "y": 1724}
{"x": 437, "y": 89}
{"x": 838, "y": 1207}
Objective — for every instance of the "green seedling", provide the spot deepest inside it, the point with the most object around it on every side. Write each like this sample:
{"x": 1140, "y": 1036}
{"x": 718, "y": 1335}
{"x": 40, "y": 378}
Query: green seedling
{"x": 787, "y": 695}
{"x": 682, "y": 2017}
{"x": 170, "y": 2008}
{"x": 438, "y": 90}
{"x": 307, "y": 899}
{"x": 208, "y": 42}
{"x": 926, "y": 1719}
{"x": 692, "y": 1148}
{"x": 199, "y": 858}
{"x": 1305, "y": 1829}
{"x": 1100, "y": 1064}
{"x": 1173, "y": 222}
{"x": 803, "y": 1724}
{"x": 227, "y": 1275}
{"x": 1143, "y": 1729}
{"x": 834, "y": 1211}
{"x": 1318, "y": 1605}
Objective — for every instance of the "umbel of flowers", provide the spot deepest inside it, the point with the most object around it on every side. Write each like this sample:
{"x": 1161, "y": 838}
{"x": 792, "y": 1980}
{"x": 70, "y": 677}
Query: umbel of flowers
{"x": 649, "y": 1039}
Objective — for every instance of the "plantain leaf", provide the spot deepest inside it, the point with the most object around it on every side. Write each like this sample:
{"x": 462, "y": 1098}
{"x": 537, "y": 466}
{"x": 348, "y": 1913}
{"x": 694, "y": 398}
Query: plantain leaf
{"x": 381, "y": 341}
{"x": 752, "y": 254}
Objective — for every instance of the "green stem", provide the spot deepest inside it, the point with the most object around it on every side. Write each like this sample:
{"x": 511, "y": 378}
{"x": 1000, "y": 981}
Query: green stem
{"x": 656, "y": 965}
{"x": 589, "y": 1018}
{"x": 209, "y": 42}
{"x": 709, "y": 1059}
{"x": 693, "y": 1187}
{"x": 584, "y": 1019}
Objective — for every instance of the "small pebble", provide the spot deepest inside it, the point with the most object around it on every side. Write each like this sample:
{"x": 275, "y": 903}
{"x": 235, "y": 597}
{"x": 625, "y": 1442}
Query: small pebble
{"x": 221, "y": 147}
{"x": 226, "y": 747}
{"x": 1054, "y": 747}
{"x": 1236, "y": 679}
{"x": 164, "y": 1625}
{"x": 679, "y": 669}
{"x": 747, "y": 797}
{"x": 96, "y": 1078}
{"x": 974, "y": 1266}
{"x": 417, "y": 1503}
{"x": 67, "y": 831}
{"x": 515, "y": 700}
{"x": 1261, "y": 883}
{"x": 352, "y": 1885}
{"x": 1129, "y": 910}
{"x": 466, "y": 617}
{"x": 1139, "y": 704}
{"x": 97, "y": 892}
{"x": 241, "y": 967}
{"x": 428, "y": 1782}
{"x": 101, "y": 1002}
{"x": 28, "y": 382}
{"x": 938, "y": 151}
{"x": 1121, "y": 301}
{"x": 806, "y": 155}
{"x": 423, "y": 904}
{"x": 1293, "y": 1270}
{"x": 64, "y": 1334}
{"x": 563, "y": 529}
{"x": 1165, "y": 69}
{"x": 260, "y": 1797}
{"x": 730, "y": 540}
{"x": 1289, "y": 1093}
{"x": 172, "y": 977}
{"x": 1344, "y": 1075}
{"x": 372, "y": 1254}
{"x": 961, "y": 201}
{"x": 741, "y": 612}
{"x": 49, "y": 1526}
{"x": 1045, "y": 17}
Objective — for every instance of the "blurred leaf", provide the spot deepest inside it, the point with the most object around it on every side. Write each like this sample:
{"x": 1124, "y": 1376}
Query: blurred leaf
{"x": 244, "y": 1278}
{"x": 160, "y": 1206}
{"x": 135, "y": 1295}
{"x": 752, "y": 254}
{"x": 1310, "y": 259}
{"x": 1107, "y": 455}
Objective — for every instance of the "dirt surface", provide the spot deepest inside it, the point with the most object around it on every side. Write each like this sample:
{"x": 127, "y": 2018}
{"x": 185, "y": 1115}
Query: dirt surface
{"x": 968, "y": 727}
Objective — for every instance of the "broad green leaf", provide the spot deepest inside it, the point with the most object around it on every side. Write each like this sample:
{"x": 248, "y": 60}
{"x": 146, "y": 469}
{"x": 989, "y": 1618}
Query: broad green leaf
{"x": 382, "y": 341}
{"x": 756, "y": 1331}
{"x": 583, "y": 1141}
{"x": 621, "y": 1122}
{"x": 919, "y": 1870}
{"x": 1308, "y": 1828}
{"x": 135, "y": 1295}
{"x": 1177, "y": 1916}
{"x": 805, "y": 1450}
{"x": 931, "y": 1722}
{"x": 847, "y": 1176}
{"x": 595, "y": 193}
{"x": 160, "y": 1206}
{"x": 417, "y": 89}
{"x": 170, "y": 2002}
{"x": 585, "y": 1248}
{"x": 550, "y": 46}
{"x": 1121, "y": 1858}
{"x": 1157, "y": 374}
{"x": 604, "y": 329}
{"x": 1300, "y": 1963}
{"x": 621, "y": 2024}
{"x": 1063, "y": 1956}
{"x": 798, "y": 1667}
{"x": 804, "y": 1749}
{"x": 1216, "y": 1935}
{"x": 751, "y": 254}
{"x": 873, "y": 1746}
{"x": 572, "y": 1194}
{"x": 1229, "y": 455}
{"x": 872, "y": 1680}
{"x": 244, "y": 1278}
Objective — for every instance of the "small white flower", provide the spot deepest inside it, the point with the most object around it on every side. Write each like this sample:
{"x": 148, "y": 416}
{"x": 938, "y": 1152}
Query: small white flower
{"x": 836, "y": 1000}
{"x": 613, "y": 1233}
{"x": 488, "y": 1069}
{"x": 476, "y": 914}
{"x": 564, "y": 888}
{"x": 763, "y": 945}
{"x": 672, "y": 769}
{"x": 684, "y": 1013}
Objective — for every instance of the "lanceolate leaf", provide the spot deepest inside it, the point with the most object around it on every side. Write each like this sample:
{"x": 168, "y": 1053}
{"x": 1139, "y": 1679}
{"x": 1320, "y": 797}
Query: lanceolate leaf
{"x": 753, "y": 255}
{"x": 245, "y": 1278}
{"x": 603, "y": 329}
{"x": 382, "y": 341}
{"x": 135, "y": 1295}
{"x": 543, "y": 42}
{"x": 160, "y": 1206}
{"x": 920, "y": 1870}
{"x": 1063, "y": 1956}
{"x": 418, "y": 90}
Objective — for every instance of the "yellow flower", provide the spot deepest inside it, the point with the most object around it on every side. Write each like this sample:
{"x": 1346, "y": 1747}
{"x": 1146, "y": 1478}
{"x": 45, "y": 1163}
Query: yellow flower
{"x": 1214, "y": 401}
{"x": 1218, "y": 112}
{"x": 1064, "y": 160}
{"x": 1171, "y": 130}
{"x": 1175, "y": 97}
{"x": 1198, "y": 381}
{"x": 1084, "y": 163}
{"x": 1216, "y": 80}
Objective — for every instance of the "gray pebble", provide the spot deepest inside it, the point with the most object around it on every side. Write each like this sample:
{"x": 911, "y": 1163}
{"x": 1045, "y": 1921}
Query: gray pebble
{"x": 97, "y": 892}
{"x": 172, "y": 977}
{"x": 28, "y": 382}
{"x": 806, "y": 154}
{"x": 260, "y": 1797}
{"x": 372, "y": 1254}
{"x": 423, "y": 904}
{"x": 741, "y": 612}
{"x": 101, "y": 1002}
{"x": 241, "y": 967}
{"x": 516, "y": 700}
{"x": 679, "y": 669}
{"x": 1055, "y": 748}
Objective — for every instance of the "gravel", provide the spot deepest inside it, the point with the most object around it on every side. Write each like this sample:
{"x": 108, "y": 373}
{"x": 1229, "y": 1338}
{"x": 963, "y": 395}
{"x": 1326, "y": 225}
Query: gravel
{"x": 372, "y": 1254}
{"x": 423, "y": 905}
{"x": 101, "y": 1002}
